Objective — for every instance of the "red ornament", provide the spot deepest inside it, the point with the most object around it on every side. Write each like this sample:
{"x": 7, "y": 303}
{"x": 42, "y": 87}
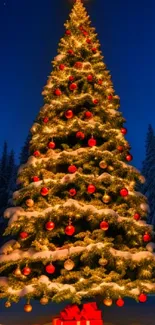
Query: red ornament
{"x": 46, "y": 119}
{"x": 44, "y": 191}
{"x": 95, "y": 101}
{"x": 73, "y": 86}
{"x": 50, "y": 268}
{"x": 71, "y": 52}
{"x": 23, "y": 235}
{"x": 104, "y": 225}
{"x": 35, "y": 179}
{"x": 26, "y": 271}
{"x": 57, "y": 92}
{"x": 50, "y": 225}
{"x": 51, "y": 145}
{"x": 124, "y": 131}
{"x": 120, "y": 148}
{"x": 100, "y": 81}
{"x": 36, "y": 153}
{"x": 72, "y": 192}
{"x": 90, "y": 78}
{"x": 68, "y": 32}
{"x": 80, "y": 135}
{"x": 137, "y": 216}
{"x": 71, "y": 78}
{"x": 62, "y": 66}
{"x": 94, "y": 49}
{"x": 110, "y": 97}
{"x": 91, "y": 189}
{"x": 88, "y": 40}
{"x": 70, "y": 230}
{"x": 147, "y": 237}
{"x": 85, "y": 33}
{"x": 142, "y": 297}
{"x": 92, "y": 142}
{"x": 78, "y": 65}
{"x": 88, "y": 114}
{"x": 72, "y": 169}
{"x": 120, "y": 302}
{"x": 129, "y": 157}
{"x": 124, "y": 192}
{"x": 69, "y": 114}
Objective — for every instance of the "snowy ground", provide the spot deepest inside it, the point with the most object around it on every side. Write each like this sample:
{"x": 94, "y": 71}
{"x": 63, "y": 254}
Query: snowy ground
{"x": 131, "y": 314}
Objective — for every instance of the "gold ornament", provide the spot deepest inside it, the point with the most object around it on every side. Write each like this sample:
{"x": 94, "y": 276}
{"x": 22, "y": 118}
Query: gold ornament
{"x": 69, "y": 265}
{"x": 30, "y": 203}
{"x": 44, "y": 301}
{"x": 106, "y": 198}
{"x": 27, "y": 308}
{"x": 103, "y": 261}
{"x": 110, "y": 168}
{"x": 107, "y": 302}
{"x": 7, "y": 304}
{"x": 17, "y": 272}
{"x": 103, "y": 164}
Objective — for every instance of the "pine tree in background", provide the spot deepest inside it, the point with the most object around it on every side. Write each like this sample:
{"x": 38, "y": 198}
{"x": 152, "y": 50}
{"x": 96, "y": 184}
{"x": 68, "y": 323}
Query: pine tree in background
{"x": 25, "y": 151}
{"x": 79, "y": 223}
{"x": 148, "y": 171}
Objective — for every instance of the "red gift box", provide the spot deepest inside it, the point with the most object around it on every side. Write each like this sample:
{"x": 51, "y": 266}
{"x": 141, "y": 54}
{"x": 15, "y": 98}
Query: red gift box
{"x": 72, "y": 315}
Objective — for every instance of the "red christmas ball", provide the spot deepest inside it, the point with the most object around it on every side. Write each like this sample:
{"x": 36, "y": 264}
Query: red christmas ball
{"x": 85, "y": 33}
{"x": 104, "y": 225}
{"x": 137, "y": 216}
{"x": 36, "y": 153}
{"x": 35, "y": 179}
{"x": 142, "y": 297}
{"x": 68, "y": 32}
{"x": 124, "y": 131}
{"x": 95, "y": 101}
{"x": 88, "y": 40}
{"x": 23, "y": 235}
{"x": 110, "y": 97}
{"x": 120, "y": 148}
{"x": 73, "y": 86}
{"x": 46, "y": 119}
{"x": 88, "y": 114}
{"x": 94, "y": 49}
{"x": 51, "y": 145}
{"x": 50, "y": 225}
{"x": 50, "y": 268}
{"x": 71, "y": 78}
{"x": 120, "y": 302}
{"x": 100, "y": 81}
{"x": 62, "y": 66}
{"x": 69, "y": 114}
{"x": 129, "y": 157}
{"x": 90, "y": 78}
{"x": 124, "y": 192}
{"x": 70, "y": 230}
{"x": 146, "y": 237}
{"x": 72, "y": 169}
{"x": 92, "y": 142}
{"x": 78, "y": 65}
{"x": 57, "y": 92}
{"x": 80, "y": 135}
{"x": 91, "y": 189}
{"x": 26, "y": 271}
{"x": 72, "y": 192}
{"x": 44, "y": 191}
{"x": 71, "y": 52}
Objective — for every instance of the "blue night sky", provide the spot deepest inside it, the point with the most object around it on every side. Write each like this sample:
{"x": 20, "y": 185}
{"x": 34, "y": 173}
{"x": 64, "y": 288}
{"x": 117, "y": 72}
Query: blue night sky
{"x": 30, "y": 32}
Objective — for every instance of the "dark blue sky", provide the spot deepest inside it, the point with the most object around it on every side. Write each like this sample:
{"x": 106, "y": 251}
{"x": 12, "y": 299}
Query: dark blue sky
{"x": 29, "y": 35}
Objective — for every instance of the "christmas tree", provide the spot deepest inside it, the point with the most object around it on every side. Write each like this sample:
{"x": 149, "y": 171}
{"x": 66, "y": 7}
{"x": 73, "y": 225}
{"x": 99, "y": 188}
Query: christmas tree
{"x": 78, "y": 224}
